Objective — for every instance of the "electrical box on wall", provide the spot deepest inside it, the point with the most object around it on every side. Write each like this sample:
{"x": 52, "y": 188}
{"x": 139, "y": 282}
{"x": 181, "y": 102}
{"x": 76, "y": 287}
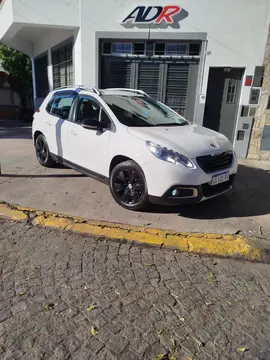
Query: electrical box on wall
{"x": 248, "y": 81}
{"x": 258, "y": 76}
{"x": 248, "y": 111}
{"x": 244, "y": 127}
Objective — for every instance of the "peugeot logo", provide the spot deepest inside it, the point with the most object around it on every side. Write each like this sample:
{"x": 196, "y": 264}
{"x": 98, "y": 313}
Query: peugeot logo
{"x": 214, "y": 146}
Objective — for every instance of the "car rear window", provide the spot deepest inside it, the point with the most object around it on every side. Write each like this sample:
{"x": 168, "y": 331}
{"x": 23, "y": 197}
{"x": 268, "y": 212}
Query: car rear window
{"x": 60, "y": 104}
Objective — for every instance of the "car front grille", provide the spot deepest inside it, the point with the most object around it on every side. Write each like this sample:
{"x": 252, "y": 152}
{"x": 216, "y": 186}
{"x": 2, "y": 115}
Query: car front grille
{"x": 209, "y": 190}
{"x": 212, "y": 163}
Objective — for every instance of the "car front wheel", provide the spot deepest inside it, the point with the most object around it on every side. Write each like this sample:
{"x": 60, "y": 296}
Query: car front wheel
{"x": 43, "y": 152}
{"x": 128, "y": 186}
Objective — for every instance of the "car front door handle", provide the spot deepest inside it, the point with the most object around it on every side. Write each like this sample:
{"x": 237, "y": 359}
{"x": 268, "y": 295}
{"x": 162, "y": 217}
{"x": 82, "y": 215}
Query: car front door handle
{"x": 73, "y": 132}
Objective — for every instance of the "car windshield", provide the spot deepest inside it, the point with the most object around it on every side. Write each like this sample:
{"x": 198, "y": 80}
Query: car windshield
{"x": 142, "y": 110}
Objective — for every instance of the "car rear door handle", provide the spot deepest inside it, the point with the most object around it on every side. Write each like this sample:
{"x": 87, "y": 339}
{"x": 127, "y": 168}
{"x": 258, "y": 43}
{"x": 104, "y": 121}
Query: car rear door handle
{"x": 73, "y": 132}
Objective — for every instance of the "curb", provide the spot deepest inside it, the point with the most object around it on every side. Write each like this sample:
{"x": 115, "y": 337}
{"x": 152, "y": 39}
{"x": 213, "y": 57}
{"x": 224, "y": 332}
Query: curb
{"x": 236, "y": 246}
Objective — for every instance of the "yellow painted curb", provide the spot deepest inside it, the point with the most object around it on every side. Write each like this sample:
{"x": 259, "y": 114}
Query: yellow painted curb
{"x": 13, "y": 214}
{"x": 214, "y": 244}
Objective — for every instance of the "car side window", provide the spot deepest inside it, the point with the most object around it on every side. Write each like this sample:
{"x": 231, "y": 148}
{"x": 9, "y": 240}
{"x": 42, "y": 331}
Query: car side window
{"x": 105, "y": 120}
{"x": 88, "y": 109}
{"x": 61, "y": 105}
{"x": 49, "y": 105}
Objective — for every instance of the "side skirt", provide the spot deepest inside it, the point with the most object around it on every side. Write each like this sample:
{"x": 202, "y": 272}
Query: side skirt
{"x": 81, "y": 169}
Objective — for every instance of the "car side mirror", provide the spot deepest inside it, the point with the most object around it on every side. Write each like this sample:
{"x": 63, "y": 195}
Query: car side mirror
{"x": 91, "y": 124}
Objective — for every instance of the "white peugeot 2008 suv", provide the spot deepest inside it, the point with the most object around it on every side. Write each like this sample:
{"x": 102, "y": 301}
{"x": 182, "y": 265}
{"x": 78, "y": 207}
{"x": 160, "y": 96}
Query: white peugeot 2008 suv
{"x": 144, "y": 150}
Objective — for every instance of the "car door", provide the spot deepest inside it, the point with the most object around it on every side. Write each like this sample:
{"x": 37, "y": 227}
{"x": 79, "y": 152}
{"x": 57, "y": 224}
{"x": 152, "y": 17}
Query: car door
{"x": 56, "y": 121}
{"x": 88, "y": 148}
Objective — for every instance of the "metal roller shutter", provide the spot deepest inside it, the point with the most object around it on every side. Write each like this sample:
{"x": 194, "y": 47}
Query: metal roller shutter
{"x": 118, "y": 75}
{"x": 148, "y": 78}
{"x": 170, "y": 78}
{"x": 177, "y": 87}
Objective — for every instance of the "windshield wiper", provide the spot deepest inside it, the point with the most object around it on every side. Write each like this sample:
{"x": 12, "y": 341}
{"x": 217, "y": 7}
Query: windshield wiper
{"x": 171, "y": 124}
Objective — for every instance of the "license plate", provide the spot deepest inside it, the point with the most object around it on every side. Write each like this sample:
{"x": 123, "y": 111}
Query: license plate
{"x": 220, "y": 178}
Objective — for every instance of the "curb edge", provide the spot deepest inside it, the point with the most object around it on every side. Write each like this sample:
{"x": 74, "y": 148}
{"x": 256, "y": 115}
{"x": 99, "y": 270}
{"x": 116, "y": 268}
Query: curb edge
{"x": 236, "y": 246}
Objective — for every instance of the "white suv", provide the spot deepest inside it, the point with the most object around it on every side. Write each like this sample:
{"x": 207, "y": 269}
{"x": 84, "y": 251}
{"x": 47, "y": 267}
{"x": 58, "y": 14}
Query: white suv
{"x": 144, "y": 150}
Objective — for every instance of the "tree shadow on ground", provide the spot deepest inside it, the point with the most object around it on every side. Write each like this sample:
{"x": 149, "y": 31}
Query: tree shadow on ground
{"x": 11, "y": 129}
{"x": 42, "y": 176}
{"x": 250, "y": 197}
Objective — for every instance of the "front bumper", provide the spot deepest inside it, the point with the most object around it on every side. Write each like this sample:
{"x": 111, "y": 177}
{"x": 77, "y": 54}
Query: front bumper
{"x": 189, "y": 194}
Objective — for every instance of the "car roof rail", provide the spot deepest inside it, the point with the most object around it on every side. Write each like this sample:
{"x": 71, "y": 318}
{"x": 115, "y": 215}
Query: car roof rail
{"x": 83, "y": 87}
{"x": 91, "y": 88}
{"x": 129, "y": 90}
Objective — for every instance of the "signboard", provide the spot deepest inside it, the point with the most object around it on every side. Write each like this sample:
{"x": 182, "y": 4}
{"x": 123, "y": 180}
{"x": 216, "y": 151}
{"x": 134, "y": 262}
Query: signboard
{"x": 169, "y": 15}
{"x": 248, "y": 81}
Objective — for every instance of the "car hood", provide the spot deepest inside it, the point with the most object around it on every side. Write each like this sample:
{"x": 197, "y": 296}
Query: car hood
{"x": 189, "y": 140}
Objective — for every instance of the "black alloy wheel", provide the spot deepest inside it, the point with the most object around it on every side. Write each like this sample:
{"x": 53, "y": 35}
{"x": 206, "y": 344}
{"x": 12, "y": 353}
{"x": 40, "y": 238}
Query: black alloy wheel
{"x": 128, "y": 186}
{"x": 43, "y": 152}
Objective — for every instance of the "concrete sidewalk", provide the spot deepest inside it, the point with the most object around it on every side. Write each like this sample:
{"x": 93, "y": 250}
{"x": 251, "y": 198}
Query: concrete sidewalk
{"x": 24, "y": 182}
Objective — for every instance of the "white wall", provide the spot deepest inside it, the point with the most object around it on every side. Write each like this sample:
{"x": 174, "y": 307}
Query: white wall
{"x": 50, "y": 39}
{"x": 6, "y": 17}
{"x": 54, "y": 13}
{"x": 236, "y": 31}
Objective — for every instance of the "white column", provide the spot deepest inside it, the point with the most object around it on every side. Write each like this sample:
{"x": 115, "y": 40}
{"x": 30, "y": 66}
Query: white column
{"x": 77, "y": 59}
{"x": 50, "y": 70}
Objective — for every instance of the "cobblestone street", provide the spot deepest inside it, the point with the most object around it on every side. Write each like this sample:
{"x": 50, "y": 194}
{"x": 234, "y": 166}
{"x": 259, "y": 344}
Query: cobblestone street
{"x": 67, "y": 296}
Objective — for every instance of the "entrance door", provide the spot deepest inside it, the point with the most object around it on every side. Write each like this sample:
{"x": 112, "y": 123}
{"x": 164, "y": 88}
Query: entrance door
{"x": 222, "y": 100}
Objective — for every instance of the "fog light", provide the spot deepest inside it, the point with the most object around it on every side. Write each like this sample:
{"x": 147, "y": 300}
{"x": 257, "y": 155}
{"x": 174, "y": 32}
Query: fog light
{"x": 174, "y": 192}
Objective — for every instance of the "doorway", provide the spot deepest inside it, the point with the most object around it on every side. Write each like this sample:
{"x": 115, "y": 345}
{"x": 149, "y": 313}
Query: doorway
{"x": 222, "y": 100}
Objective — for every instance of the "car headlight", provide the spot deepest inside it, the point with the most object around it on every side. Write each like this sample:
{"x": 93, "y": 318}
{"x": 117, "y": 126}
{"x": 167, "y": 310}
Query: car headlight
{"x": 171, "y": 156}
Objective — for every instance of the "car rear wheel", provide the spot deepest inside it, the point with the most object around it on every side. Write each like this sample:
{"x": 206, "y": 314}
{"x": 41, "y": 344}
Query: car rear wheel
{"x": 42, "y": 152}
{"x": 128, "y": 186}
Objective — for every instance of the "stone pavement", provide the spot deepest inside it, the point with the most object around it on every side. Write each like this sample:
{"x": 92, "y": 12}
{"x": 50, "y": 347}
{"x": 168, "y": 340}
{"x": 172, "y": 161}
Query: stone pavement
{"x": 67, "y": 296}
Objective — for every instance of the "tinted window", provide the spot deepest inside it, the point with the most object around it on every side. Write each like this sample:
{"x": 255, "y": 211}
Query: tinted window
{"x": 194, "y": 49}
{"x": 139, "y": 48}
{"x": 142, "y": 111}
{"x": 87, "y": 109}
{"x": 160, "y": 49}
{"x": 49, "y": 106}
{"x": 61, "y": 105}
{"x": 105, "y": 120}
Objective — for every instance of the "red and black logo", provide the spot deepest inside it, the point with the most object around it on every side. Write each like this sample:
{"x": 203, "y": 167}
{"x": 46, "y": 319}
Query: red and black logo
{"x": 153, "y": 15}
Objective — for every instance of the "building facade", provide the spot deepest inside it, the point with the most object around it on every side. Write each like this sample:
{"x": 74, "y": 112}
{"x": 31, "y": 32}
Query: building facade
{"x": 205, "y": 59}
{"x": 260, "y": 145}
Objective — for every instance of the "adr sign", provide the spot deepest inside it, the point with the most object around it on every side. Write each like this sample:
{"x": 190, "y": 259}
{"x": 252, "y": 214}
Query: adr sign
{"x": 153, "y": 14}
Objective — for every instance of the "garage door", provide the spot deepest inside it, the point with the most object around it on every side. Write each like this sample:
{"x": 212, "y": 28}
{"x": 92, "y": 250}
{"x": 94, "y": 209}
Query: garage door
{"x": 176, "y": 88}
{"x": 166, "y": 71}
{"x": 116, "y": 73}
{"x": 148, "y": 78}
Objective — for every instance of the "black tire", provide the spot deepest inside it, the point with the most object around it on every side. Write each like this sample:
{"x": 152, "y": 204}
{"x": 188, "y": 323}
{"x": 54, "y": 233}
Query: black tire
{"x": 128, "y": 186}
{"x": 43, "y": 153}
